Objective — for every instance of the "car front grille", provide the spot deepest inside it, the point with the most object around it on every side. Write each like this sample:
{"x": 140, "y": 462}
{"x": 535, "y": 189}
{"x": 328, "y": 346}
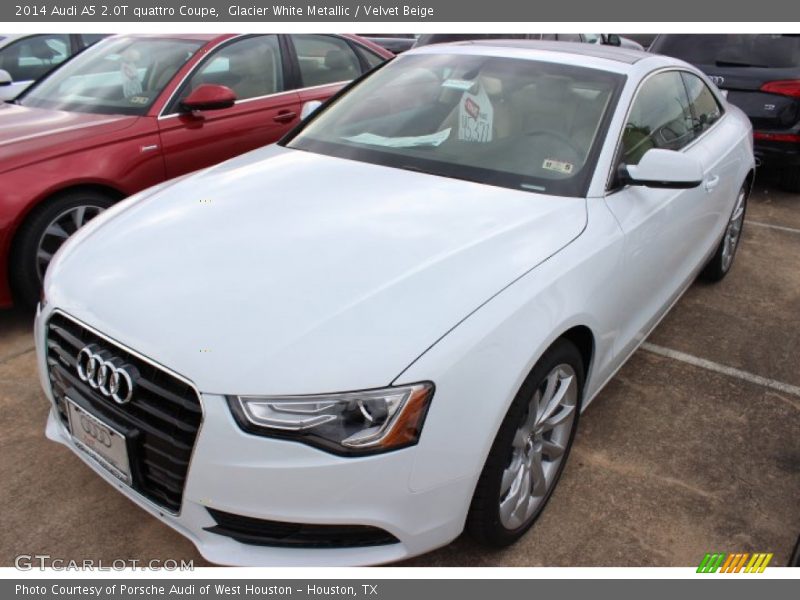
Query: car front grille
{"x": 160, "y": 422}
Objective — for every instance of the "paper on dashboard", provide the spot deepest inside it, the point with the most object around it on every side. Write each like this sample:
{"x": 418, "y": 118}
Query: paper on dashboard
{"x": 433, "y": 139}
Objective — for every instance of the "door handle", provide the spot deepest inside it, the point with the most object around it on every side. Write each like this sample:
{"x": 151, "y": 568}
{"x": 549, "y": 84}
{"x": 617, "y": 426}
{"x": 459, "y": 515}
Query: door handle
{"x": 711, "y": 183}
{"x": 285, "y": 116}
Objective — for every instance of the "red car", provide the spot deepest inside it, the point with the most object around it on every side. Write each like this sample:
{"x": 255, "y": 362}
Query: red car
{"x": 135, "y": 110}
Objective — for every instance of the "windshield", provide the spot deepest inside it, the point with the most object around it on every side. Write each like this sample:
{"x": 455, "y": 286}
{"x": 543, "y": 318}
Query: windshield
{"x": 513, "y": 123}
{"x": 768, "y": 50}
{"x": 117, "y": 76}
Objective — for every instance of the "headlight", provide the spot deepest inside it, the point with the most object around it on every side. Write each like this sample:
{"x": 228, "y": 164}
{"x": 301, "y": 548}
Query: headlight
{"x": 349, "y": 423}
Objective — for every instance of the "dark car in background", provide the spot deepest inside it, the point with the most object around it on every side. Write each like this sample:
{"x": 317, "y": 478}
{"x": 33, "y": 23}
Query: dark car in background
{"x": 761, "y": 75}
{"x": 24, "y": 58}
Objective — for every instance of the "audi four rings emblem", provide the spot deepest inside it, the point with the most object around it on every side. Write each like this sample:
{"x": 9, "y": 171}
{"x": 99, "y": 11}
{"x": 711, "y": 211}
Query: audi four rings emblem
{"x": 717, "y": 80}
{"x": 105, "y": 374}
{"x": 93, "y": 429}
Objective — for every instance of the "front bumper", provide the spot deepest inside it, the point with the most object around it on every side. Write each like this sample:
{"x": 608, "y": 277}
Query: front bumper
{"x": 277, "y": 480}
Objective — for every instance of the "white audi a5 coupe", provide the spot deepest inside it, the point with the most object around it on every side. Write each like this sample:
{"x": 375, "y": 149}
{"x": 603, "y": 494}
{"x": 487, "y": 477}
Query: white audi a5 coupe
{"x": 351, "y": 346}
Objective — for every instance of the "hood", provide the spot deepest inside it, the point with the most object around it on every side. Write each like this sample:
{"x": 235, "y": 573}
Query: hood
{"x": 33, "y": 134}
{"x": 284, "y": 271}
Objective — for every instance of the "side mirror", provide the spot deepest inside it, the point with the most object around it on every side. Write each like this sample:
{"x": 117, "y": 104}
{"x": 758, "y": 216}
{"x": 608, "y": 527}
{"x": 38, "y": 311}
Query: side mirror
{"x": 664, "y": 169}
{"x": 5, "y": 77}
{"x": 612, "y": 39}
{"x": 309, "y": 108}
{"x": 209, "y": 97}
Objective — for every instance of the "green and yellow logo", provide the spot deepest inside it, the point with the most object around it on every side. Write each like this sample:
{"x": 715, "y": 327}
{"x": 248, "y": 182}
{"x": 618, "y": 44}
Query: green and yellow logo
{"x": 740, "y": 562}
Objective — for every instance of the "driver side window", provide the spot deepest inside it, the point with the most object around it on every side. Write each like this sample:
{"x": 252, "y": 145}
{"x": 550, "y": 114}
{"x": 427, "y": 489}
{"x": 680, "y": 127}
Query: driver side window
{"x": 660, "y": 117}
{"x": 252, "y": 67}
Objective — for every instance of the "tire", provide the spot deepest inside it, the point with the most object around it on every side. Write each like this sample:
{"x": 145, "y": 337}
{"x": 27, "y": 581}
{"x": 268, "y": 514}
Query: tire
{"x": 790, "y": 179}
{"x": 44, "y": 231}
{"x": 794, "y": 559}
{"x": 722, "y": 261}
{"x": 487, "y": 521}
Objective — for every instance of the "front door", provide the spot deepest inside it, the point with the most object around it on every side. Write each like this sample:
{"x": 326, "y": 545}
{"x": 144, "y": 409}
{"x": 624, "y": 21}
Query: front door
{"x": 253, "y": 67}
{"x": 663, "y": 227}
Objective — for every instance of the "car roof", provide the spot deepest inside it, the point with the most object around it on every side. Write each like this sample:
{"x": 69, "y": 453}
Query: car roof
{"x": 616, "y": 53}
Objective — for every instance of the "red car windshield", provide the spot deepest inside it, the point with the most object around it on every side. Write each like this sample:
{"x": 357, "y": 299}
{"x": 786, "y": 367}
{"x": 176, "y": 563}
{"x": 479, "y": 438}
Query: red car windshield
{"x": 117, "y": 76}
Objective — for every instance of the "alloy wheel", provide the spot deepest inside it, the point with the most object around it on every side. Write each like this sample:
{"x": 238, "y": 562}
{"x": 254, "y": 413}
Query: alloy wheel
{"x": 538, "y": 447}
{"x": 734, "y": 232}
{"x": 57, "y": 232}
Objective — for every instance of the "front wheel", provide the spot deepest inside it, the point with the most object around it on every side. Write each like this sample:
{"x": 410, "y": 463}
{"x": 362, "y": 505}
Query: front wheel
{"x": 722, "y": 261}
{"x": 530, "y": 450}
{"x": 45, "y": 230}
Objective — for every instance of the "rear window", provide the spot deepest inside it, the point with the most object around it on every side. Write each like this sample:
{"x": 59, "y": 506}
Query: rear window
{"x": 764, "y": 50}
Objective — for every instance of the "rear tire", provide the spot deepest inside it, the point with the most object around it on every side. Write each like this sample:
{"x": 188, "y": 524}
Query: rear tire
{"x": 44, "y": 231}
{"x": 722, "y": 261}
{"x": 790, "y": 179}
{"x": 509, "y": 496}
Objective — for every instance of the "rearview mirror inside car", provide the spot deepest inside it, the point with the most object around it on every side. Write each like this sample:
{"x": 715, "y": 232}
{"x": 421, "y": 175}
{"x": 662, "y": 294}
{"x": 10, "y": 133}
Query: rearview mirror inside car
{"x": 209, "y": 96}
{"x": 5, "y": 77}
{"x": 661, "y": 168}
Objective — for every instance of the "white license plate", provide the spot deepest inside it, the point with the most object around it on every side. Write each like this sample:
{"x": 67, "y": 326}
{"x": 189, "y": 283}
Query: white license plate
{"x": 103, "y": 443}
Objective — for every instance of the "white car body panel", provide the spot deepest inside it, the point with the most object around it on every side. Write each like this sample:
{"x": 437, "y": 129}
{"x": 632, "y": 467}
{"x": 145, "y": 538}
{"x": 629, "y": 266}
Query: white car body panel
{"x": 296, "y": 234}
{"x": 396, "y": 277}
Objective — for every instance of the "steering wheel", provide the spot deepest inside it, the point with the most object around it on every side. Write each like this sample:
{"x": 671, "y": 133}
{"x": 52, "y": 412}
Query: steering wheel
{"x": 560, "y": 137}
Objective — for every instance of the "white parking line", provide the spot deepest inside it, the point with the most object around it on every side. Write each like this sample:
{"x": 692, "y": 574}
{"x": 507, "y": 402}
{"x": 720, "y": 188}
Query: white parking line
{"x": 771, "y": 226}
{"x": 772, "y": 384}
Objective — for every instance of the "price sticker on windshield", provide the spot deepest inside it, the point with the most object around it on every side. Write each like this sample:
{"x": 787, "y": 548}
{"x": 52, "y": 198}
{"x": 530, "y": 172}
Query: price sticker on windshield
{"x": 560, "y": 166}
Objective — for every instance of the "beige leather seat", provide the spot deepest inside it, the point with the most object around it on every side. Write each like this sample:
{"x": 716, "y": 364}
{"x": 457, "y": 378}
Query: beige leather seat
{"x": 547, "y": 105}
{"x": 553, "y": 104}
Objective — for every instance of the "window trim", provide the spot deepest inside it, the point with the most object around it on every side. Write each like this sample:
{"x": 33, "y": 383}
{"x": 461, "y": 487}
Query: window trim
{"x": 611, "y": 176}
